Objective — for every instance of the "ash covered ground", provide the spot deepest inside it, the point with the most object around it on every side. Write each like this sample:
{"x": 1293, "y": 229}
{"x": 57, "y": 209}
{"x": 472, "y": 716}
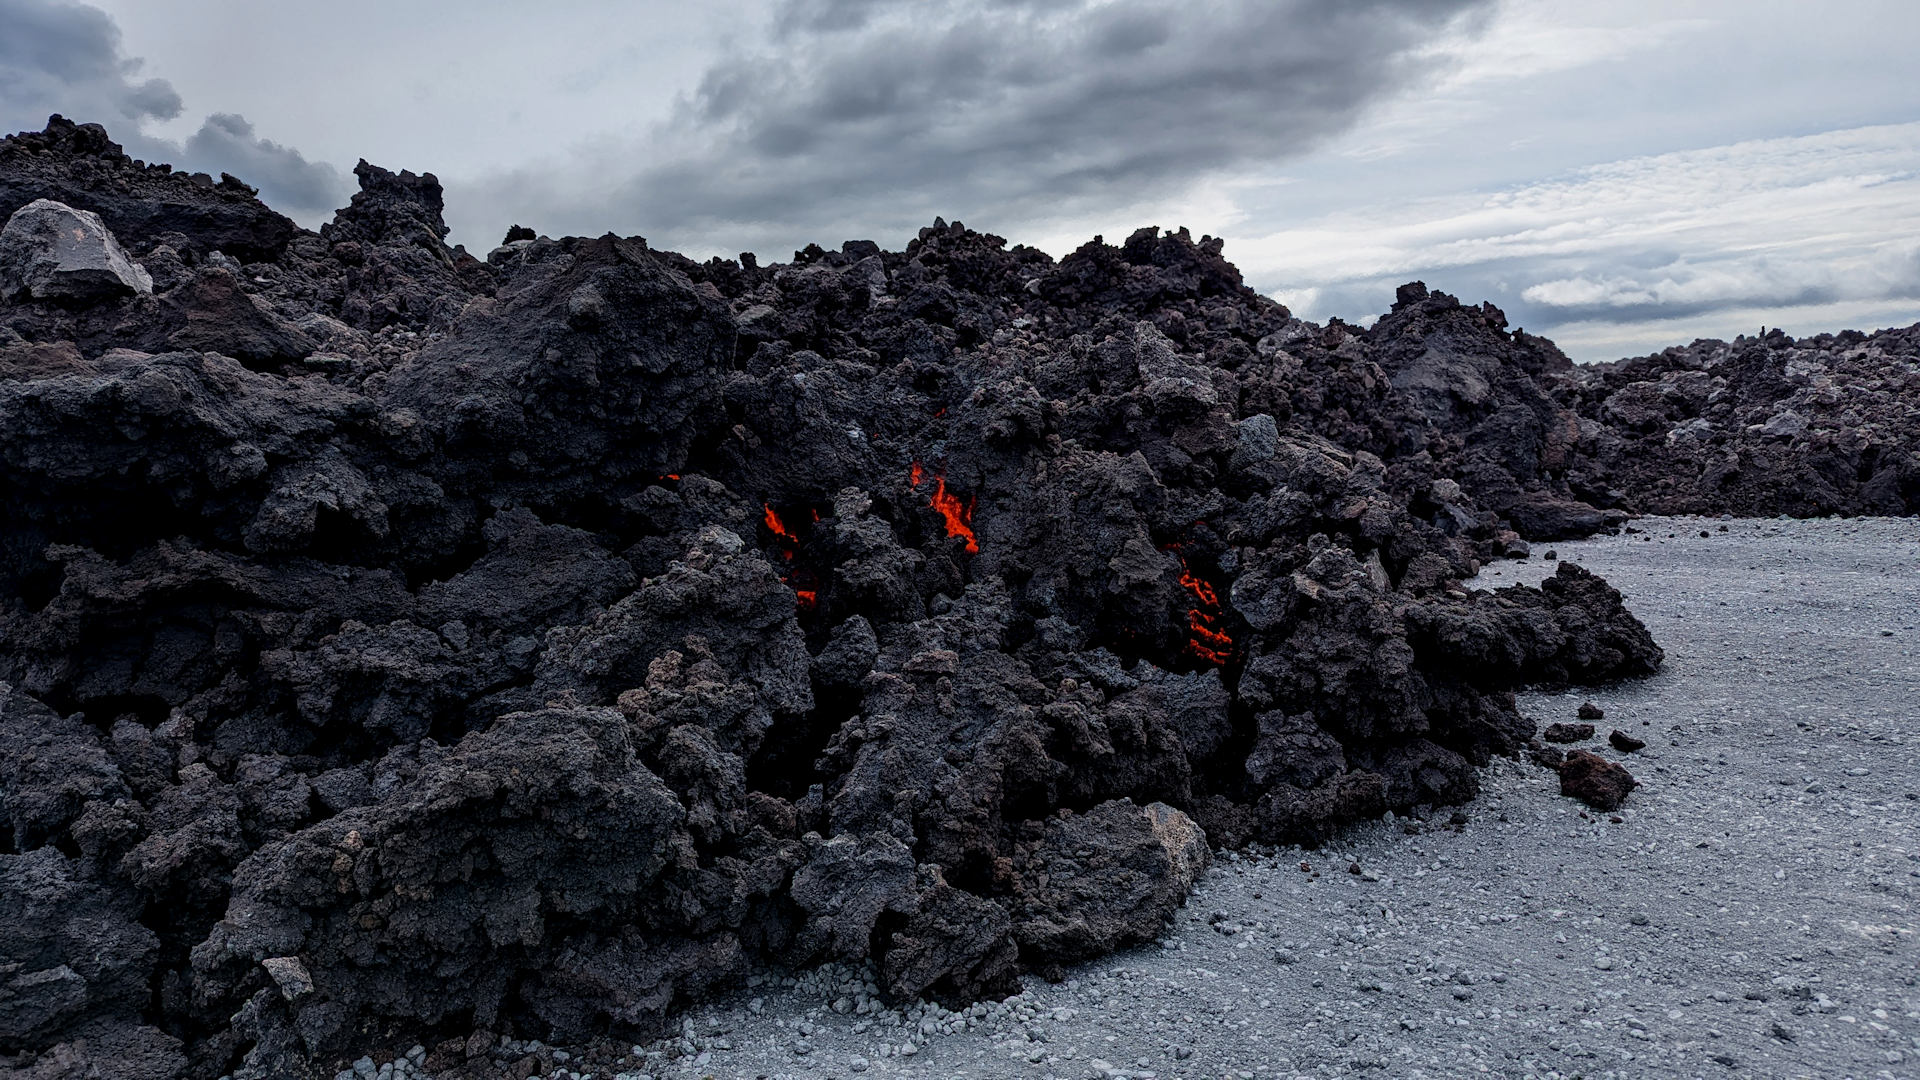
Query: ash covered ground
{"x": 404, "y": 646}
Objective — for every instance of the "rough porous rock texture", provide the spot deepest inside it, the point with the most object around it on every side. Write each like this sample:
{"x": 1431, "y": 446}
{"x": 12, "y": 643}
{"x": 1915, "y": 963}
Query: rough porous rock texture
{"x": 1757, "y": 427}
{"x": 1595, "y": 781}
{"x": 51, "y": 251}
{"x": 79, "y": 165}
{"x": 402, "y": 643}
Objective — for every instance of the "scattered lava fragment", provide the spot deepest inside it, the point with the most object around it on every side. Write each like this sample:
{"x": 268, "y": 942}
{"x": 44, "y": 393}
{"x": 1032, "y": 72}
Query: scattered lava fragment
{"x": 808, "y": 598}
{"x": 1206, "y": 640}
{"x": 916, "y": 474}
{"x": 959, "y": 515}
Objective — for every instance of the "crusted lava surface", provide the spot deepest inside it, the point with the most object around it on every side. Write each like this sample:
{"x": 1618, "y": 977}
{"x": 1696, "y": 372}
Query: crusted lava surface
{"x": 393, "y": 640}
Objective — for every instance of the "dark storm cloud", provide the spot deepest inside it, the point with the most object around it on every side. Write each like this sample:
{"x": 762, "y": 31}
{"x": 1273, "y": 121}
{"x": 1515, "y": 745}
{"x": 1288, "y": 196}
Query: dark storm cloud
{"x": 286, "y": 179}
{"x": 876, "y": 115}
{"x": 59, "y": 57}
{"x": 826, "y": 16}
{"x": 66, "y": 58}
{"x": 1005, "y": 106}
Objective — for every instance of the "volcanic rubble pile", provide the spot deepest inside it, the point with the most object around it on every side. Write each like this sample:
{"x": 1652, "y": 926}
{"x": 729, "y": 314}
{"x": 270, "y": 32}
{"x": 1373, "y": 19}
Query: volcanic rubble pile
{"x": 1763, "y": 426}
{"x": 401, "y": 644}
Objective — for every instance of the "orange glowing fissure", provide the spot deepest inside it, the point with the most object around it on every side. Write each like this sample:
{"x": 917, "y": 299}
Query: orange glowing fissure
{"x": 957, "y": 514}
{"x": 1205, "y": 639}
{"x": 779, "y": 529}
{"x": 807, "y": 599}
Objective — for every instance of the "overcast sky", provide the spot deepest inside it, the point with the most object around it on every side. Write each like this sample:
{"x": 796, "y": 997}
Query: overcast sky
{"x": 1620, "y": 175}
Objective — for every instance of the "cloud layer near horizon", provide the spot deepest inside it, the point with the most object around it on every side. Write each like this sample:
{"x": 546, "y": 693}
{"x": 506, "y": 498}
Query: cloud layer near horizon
{"x": 1791, "y": 223}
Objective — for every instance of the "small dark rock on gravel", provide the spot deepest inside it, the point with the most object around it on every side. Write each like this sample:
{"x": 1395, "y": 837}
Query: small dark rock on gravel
{"x": 1590, "y": 711}
{"x": 1594, "y": 780}
{"x": 1568, "y": 733}
{"x": 1626, "y": 743}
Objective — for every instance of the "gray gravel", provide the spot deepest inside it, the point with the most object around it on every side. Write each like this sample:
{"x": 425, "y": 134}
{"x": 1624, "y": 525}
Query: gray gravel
{"x": 1748, "y": 913}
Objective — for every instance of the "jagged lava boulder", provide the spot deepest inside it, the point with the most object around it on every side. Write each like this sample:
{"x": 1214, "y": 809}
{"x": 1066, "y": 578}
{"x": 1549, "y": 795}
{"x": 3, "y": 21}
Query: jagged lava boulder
{"x": 50, "y": 250}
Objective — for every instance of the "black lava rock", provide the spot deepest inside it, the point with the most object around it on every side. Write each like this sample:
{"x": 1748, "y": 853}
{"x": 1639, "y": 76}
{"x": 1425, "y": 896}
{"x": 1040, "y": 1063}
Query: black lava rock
{"x": 1594, "y": 780}
{"x": 1567, "y": 733}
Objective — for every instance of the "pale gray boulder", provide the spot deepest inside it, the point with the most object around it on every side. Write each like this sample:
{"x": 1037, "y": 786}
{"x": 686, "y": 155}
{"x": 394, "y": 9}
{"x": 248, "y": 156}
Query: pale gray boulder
{"x": 51, "y": 250}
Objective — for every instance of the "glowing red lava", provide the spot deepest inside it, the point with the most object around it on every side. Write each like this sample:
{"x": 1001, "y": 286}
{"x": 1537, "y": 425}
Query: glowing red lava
{"x": 1205, "y": 638}
{"x": 788, "y": 544}
{"x": 958, "y": 515}
{"x": 779, "y": 530}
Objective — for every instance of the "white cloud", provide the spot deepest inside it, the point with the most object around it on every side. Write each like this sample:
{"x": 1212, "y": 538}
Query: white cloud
{"x": 1890, "y": 270}
{"x": 1498, "y": 57}
{"x": 1527, "y": 39}
{"x": 1792, "y": 221}
{"x": 1839, "y": 188}
{"x": 1304, "y": 303}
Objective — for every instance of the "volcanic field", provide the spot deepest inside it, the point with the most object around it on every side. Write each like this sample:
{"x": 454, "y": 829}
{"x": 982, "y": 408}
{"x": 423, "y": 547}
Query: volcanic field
{"x": 401, "y": 646}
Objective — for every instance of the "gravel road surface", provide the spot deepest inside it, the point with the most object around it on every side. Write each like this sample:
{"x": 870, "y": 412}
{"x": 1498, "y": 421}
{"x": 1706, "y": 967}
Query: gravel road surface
{"x": 1750, "y": 911}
